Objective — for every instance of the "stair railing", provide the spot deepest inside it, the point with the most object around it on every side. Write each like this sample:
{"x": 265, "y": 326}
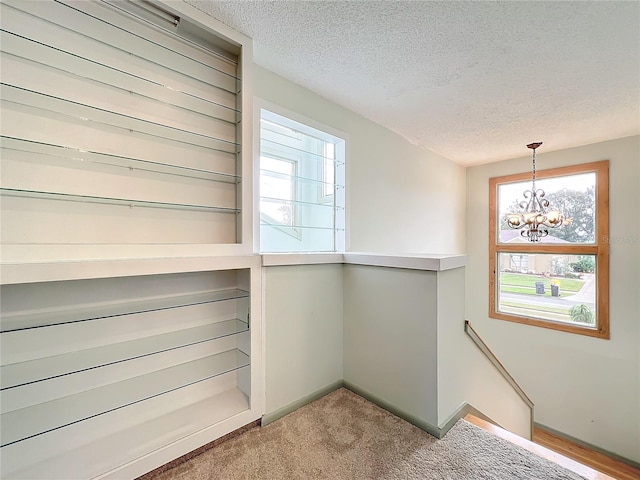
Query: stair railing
{"x": 484, "y": 348}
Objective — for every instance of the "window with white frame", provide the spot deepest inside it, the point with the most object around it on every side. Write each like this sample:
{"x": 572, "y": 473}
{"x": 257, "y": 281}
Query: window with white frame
{"x": 302, "y": 197}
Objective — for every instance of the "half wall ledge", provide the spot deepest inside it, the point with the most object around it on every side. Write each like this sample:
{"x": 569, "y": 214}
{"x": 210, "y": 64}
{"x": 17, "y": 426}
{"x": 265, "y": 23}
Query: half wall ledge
{"x": 412, "y": 261}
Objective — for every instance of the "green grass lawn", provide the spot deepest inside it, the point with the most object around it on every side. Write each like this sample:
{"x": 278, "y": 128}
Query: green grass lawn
{"x": 528, "y": 312}
{"x": 560, "y": 314}
{"x": 558, "y": 310}
{"x": 526, "y": 284}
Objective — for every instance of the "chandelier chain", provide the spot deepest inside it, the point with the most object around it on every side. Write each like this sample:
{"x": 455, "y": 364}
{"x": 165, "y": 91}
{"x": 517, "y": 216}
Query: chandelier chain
{"x": 534, "y": 169}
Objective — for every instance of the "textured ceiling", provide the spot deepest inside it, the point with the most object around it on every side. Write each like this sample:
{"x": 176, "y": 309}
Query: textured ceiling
{"x": 472, "y": 81}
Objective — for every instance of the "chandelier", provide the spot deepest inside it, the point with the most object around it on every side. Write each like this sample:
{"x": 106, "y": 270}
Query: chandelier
{"x": 535, "y": 219}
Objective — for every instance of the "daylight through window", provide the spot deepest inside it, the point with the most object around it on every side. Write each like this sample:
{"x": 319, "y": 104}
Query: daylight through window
{"x": 562, "y": 281}
{"x": 302, "y": 197}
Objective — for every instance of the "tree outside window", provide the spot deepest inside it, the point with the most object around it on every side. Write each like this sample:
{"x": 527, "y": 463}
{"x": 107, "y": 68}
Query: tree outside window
{"x": 561, "y": 282}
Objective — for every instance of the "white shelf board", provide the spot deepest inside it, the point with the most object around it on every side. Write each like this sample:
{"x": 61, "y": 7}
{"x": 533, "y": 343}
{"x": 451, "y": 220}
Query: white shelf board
{"x": 93, "y": 459}
{"x": 19, "y": 425}
{"x": 96, "y": 312}
{"x": 118, "y": 202}
{"x": 50, "y": 263}
{"x": 22, "y": 373}
{"x": 38, "y": 153}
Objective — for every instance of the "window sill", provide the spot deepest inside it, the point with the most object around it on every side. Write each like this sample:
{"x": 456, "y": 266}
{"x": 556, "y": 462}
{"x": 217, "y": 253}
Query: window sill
{"x": 601, "y": 332}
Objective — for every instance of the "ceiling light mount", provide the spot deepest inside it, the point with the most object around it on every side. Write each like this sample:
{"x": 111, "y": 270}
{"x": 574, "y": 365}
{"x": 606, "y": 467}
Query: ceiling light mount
{"x": 535, "y": 218}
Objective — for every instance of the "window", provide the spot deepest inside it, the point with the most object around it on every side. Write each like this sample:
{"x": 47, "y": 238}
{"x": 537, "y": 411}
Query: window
{"x": 561, "y": 282}
{"x": 302, "y": 200}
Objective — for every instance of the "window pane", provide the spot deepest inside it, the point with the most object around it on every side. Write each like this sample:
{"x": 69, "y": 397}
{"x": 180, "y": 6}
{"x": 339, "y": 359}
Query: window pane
{"x": 301, "y": 187}
{"x": 276, "y": 189}
{"x": 573, "y": 195}
{"x": 560, "y": 288}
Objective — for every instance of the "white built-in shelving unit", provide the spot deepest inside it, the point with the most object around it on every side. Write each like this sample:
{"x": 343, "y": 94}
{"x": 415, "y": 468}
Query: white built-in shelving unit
{"x": 97, "y": 373}
{"x": 131, "y": 331}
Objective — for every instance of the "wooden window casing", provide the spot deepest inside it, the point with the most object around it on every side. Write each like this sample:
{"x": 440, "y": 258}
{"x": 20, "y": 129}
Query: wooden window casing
{"x": 599, "y": 248}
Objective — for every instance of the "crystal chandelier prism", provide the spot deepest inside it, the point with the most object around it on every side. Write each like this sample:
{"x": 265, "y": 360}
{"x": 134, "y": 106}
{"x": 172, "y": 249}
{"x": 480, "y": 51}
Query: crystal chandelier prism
{"x": 535, "y": 219}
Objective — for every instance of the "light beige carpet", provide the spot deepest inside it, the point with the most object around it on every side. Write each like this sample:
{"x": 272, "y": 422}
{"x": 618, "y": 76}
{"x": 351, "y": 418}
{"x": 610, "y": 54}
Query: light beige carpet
{"x": 343, "y": 436}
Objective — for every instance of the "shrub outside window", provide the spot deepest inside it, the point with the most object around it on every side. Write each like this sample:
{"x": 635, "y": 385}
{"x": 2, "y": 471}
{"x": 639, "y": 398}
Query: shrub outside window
{"x": 561, "y": 282}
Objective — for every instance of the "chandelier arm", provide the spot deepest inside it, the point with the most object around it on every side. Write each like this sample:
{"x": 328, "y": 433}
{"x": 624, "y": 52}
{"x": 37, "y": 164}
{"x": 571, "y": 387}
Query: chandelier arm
{"x": 542, "y": 202}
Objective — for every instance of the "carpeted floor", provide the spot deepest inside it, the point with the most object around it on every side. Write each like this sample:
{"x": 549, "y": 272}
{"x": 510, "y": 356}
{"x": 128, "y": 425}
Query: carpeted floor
{"x": 343, "y": 436}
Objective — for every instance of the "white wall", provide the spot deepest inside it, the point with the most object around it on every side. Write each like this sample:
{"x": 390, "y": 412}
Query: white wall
{"x": 303, "y": 331}
{"x": 585, "y": 387}
{"x": 399, "y": 198}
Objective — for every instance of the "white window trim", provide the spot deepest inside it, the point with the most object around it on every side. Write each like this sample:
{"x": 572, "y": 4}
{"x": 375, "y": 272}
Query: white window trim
{"x": 260, "y": 104}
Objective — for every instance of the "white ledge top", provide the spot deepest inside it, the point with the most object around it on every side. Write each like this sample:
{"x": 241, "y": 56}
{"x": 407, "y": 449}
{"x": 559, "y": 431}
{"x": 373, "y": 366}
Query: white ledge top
{"x": 48, "y": 271}
{"x": 413, "y": 261}
{"x": 44, "y": 268}
{"x": 282, "y": 259}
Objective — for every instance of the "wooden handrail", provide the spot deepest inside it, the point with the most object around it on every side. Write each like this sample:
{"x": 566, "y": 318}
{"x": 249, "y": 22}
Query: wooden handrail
{"x": 494, "y": 360}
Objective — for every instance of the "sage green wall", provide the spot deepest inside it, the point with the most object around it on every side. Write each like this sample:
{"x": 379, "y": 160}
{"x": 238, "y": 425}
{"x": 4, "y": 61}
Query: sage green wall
{"x": 585, "y": 387}
{"x": 390, "y": 339}
{"x": 396, "y": 196}
{"x": 303, "y": 331}
{"x": 400, "y": 198}
{"x": 465, "y": 374}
